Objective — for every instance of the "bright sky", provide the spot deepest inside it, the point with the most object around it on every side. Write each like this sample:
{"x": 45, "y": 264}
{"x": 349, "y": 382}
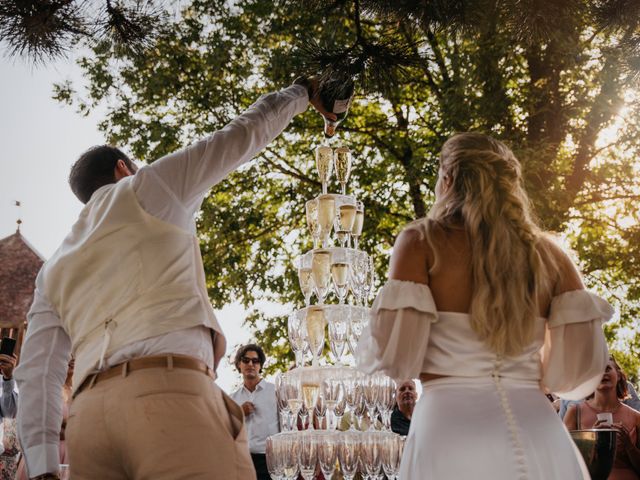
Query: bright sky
{"x": 40, "y": 140}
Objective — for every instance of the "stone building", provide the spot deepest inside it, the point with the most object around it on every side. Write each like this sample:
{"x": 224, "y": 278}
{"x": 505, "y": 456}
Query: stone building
{"x": 19, "y": 266}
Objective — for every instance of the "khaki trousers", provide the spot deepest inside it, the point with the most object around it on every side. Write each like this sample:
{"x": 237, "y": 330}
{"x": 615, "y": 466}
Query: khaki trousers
{"x": 157, "y": 424}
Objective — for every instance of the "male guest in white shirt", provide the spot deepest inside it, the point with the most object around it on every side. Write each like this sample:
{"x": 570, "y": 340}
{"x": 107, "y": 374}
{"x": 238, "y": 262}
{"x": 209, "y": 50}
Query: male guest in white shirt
{"x": 257, "y": 397}
{"x": 125, "y": 293}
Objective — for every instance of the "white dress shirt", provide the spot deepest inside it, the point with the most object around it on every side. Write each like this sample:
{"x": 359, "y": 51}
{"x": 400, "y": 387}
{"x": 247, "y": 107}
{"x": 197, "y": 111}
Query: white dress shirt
{"x": 263, "y": 422}
{"x": 171, "y": 189}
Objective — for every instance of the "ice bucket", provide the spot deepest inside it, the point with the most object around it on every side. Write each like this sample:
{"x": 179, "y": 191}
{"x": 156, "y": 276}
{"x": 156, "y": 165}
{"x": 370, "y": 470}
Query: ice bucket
{"x": 598, "y": 448}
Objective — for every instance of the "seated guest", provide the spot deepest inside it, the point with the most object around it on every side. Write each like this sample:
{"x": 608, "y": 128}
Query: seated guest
{"x": 608, "y": 398}
{"x": 257, "y": 397}
{"x": 406, "y": 397}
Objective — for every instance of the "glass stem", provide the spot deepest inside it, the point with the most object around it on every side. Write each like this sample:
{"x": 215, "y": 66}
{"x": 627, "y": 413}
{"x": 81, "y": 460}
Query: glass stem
{"x": 299, "y": 359}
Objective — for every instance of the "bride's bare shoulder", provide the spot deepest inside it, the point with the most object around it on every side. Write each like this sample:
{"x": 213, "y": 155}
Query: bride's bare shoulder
{"x": 411, "y": 255}
{"x": 568, "y": 275}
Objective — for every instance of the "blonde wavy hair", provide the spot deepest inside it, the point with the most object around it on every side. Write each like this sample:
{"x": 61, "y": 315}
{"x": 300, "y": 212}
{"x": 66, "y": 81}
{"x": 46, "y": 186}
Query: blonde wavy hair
{"x": 487, "y": 198}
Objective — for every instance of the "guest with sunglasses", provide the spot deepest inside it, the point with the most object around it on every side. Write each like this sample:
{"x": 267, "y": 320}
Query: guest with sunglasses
{"x": 257, "y": 397}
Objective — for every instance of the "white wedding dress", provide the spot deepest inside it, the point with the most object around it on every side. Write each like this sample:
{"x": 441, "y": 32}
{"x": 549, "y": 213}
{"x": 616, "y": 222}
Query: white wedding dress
{"x": 489, "y": 418}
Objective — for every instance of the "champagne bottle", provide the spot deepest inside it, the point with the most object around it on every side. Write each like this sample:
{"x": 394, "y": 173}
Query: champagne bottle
{"x": 336, "y": 93}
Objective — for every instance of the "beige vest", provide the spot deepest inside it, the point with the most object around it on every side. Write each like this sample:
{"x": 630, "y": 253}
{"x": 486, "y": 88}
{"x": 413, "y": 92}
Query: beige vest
{"x": 122, "y": 276}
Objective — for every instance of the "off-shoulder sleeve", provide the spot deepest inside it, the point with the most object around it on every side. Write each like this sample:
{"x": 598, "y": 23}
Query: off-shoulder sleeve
{"x": 395, "y": 340}
{"x": 575, "y": 352}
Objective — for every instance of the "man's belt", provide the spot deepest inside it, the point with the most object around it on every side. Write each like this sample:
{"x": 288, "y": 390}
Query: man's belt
{"x": 161, "y": 361}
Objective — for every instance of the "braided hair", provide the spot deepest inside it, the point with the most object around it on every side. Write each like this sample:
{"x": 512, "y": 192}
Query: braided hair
{"x": 509, "y": 271}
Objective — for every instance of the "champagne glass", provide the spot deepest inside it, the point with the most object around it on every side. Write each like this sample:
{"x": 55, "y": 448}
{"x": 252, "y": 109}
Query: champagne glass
{"x": 290, "y": 452}
{"x": 369, "y": 281}
{"x": 340, "y": 274}
{"x": 333, "y": 390}
{"x": 324, "y": 163}
{"x": 370, "y": 391}
{"x": 315, "y": 323}
{"x": 386, "y": 400}
{"x": 356, "y": 231}
{"x": 311, "y": 209}
{"x": 348, "y": 454}
{"x": 281, "y": 402}
{"x": 326, "y": 216}
{"x": 358, "y": 274}
{"x": 305, "y": 279}
{"x": 353, "y": 397}
{"x": 338, "y": 411}
{"x": 372, "y": 460}
{"x": 338, "y": 331}
{"x": 391, "y": 455}
{"x": 321, "y": 273}
{"x": 343, "y": 223}
{"x": 308, "y": 455}
{"x": 293, "y": 394}
{"x": 296, "y": 337}
{"x": 356, "y": 325}
{"x": 342, "y": 164}
{"x": 310, "y": 392}
{"x": 320, "y": 408}
{"x": 327, "y": 455}
{"x": 274, "y": 463}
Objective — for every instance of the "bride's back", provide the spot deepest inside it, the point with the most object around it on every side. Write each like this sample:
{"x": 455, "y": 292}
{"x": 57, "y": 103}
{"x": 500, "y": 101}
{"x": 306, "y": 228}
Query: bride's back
{"x": 451, "y": 278}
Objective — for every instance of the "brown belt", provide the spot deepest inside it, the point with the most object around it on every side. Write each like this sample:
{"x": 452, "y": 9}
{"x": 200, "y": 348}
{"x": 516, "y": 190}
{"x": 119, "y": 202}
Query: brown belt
{"x": 166, "y": 361}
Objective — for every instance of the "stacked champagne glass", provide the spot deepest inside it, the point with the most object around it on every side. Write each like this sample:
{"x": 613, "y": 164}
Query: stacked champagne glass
{"x": 333, "y": 418}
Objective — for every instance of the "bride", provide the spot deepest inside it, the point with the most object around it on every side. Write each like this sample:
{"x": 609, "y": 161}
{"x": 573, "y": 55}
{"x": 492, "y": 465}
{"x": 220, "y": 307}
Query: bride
{"x": 490, "y": 314}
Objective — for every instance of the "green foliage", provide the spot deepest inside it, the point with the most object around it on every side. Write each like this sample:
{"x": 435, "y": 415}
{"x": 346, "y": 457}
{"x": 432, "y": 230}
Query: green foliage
{"x": 566, "y": 103}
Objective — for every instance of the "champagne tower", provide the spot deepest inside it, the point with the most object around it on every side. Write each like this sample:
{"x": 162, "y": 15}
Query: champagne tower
{"x": 323, "y": 406}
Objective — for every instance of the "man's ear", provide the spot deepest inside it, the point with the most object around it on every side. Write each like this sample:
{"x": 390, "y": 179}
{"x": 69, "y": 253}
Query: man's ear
{"x": 121, "y": 170}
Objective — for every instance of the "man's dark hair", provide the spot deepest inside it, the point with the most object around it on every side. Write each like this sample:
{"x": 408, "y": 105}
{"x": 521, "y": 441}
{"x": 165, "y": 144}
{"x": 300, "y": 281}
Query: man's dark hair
{"x": 94, "y": 169}
{"x": 250, "y": 347}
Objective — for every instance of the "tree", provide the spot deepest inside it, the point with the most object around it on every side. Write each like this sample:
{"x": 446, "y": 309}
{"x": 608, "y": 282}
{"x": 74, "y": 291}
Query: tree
{"x": 561, "y": 95}
{"x": 42, "y": 30}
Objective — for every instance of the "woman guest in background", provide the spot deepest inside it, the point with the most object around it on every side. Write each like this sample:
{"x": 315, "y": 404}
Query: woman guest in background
{"x": 608, "y": 398}
{"x": 490, "y": 314}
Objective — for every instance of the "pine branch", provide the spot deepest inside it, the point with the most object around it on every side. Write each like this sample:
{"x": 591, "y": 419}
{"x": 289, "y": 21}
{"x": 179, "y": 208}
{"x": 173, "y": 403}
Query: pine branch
{"x": 41, "y": 29}
{"x": 131, "y": 29}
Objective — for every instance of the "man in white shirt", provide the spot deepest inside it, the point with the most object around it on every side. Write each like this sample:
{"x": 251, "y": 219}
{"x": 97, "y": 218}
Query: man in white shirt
{"x": 257, "y": 397}
{"x": 125, "y": 293}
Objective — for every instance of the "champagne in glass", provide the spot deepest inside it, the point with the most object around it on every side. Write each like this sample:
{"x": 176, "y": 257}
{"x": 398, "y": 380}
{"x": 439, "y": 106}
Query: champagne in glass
{"x": 311, "y": 209}
{"x": 356, "y": 231}
{"x": 315, "y": 331}
{"x": 342, "y": 164}
{"x": 340, "y": 276}
{"x": 310, "y": 392}
{"x": 306, "y": 284}
{"x": 295, "y": 404}
{"x": 347, "y": 216}
{"x": 326, "y": 215}
{"x": 321, "y": 272}
{"x": 324, "y": 163}
{"x": 343, "y": 224}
